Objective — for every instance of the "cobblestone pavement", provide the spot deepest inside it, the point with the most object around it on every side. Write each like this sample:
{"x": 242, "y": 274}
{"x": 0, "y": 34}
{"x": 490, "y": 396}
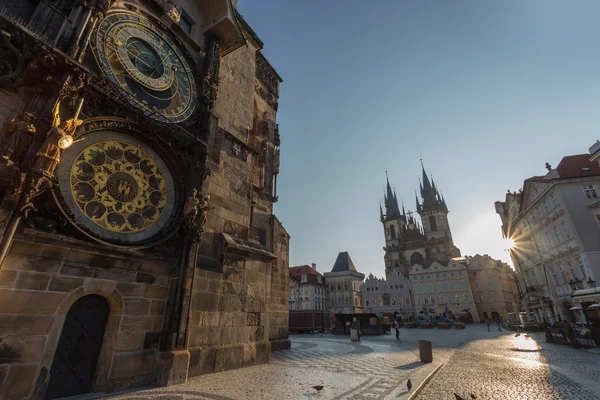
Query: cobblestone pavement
{"x": 508, "y": 365}
{"x": 490, "y": 365}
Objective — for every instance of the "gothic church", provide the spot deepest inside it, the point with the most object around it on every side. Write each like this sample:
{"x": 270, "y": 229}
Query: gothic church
{"x": 408, "y": 242}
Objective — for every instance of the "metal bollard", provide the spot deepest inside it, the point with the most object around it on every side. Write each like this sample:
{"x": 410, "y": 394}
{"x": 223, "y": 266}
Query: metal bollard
{"x": 425, "y": 351}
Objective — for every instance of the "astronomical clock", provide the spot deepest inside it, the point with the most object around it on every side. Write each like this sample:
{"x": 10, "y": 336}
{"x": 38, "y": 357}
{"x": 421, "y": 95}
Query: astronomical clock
{"x": 114, "y": 181}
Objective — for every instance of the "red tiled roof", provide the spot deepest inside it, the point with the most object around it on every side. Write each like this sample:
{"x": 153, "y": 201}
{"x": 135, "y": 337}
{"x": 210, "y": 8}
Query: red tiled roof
{"x": 571, "y": 167}
{"x": 297, "y": 272}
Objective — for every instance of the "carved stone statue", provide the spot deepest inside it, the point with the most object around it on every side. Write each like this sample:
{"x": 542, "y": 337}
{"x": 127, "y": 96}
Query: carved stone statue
{"x": 202, "y": 216}
{"x": 171, "y": 9}
{"x": 20, "y": 133}
{"x": 190, "y": 209}
{"x": 48, "y": 157}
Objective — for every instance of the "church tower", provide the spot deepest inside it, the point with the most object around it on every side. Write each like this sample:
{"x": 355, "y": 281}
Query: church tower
{"x": 434, "y": 217}
{"x": 394, "y": 223}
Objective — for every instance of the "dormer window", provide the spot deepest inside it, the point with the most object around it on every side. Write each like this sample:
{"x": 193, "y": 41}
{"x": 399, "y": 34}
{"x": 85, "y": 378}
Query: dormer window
{"x": 304, "y": 278}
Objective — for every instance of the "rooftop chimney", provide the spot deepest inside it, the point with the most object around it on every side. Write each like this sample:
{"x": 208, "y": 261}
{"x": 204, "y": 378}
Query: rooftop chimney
{"x": 314, "y": 266}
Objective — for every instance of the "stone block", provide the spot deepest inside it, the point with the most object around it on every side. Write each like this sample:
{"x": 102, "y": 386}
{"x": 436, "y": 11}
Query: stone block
{"x": 29, "y": 302}
{"x": 230, "y": 303}
{"x": 24, "y": 325}
{"x": 144, "y": 277}
{"x": 157, "y": 323}
{"x": 130, "y": 289}
{"x": 156, "y": 292}
{"x": 74, "y": 270}
{"x": 226, "y": 318}
{"x": 136, "y": 324}
{"x": 157, "y": 268}
{"x": 263, "y": 352}
{"x": 202, "y": 361}
{"x": 205, "y": 302}
{"x": 249, "y": 354}
{"x": 157, "y": 307}
{"x": 130, "y": 341}
{"x": 32, "y": 280}
{"x": 103, "y": 285}
{"x": 121, "y": 275}
{"x": 152, "y": 340}
{"x": 7, "y": 278}
{"x": 64, "y": 284}
{"x": 243, "y": 334}
{"x": 14, "y": 349}
{"x": 172, "y": 367}
{"x": 229, "y": 335}
{"x": 23, "y": 263}
{"x": 211, "y": 319}
{"x": 136, "y": 306}
{"x": 133, "y": 364}
{"x": 199, "y": 336}
{"x": 253, "y": 304}
{"x": 19, "y": 381}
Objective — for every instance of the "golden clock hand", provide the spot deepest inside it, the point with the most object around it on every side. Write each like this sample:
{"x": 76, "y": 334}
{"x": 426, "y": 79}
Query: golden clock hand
{"x": 136, "y": 56}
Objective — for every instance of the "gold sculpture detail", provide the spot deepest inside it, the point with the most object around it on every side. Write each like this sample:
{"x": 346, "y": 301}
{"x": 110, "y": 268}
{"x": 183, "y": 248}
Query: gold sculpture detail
{"x": 118, "y": 186}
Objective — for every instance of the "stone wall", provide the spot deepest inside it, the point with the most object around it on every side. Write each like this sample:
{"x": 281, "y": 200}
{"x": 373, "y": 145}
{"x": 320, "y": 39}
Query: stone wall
{"x": 44, "y": 275}
{"x": 279, "y": 293}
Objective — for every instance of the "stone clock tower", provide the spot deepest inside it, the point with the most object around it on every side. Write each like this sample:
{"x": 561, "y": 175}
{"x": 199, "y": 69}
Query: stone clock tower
{"x": 139, "y": 155}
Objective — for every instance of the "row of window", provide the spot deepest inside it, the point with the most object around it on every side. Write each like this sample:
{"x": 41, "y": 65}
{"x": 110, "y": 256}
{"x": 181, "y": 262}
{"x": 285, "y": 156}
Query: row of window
{"x": 393, "y": 302}
{"x": 391, "y": 287}
{"x": 567, "y": 271}
{"x": 347, "y": 301}
{"x": 445, "y": 285}
{"x": 492, "y": 295}
{"x": 437, "y": 275}
{"x": 443, "y": 298}
{"x": 555, "y": 236}
{"x": 343, "y": 286}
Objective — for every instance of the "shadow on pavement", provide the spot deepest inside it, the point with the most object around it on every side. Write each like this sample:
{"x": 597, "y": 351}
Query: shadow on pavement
{"x": 412, "y": 365}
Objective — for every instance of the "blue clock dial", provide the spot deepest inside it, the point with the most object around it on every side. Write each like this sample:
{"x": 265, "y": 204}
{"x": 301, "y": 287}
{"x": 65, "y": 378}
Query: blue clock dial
{"x": 147, "y": 66}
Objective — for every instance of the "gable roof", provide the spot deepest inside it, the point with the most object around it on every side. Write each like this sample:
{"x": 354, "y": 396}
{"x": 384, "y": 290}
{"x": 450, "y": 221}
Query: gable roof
{"x": 343, "y": 263}
{"x": 311, "y": 274}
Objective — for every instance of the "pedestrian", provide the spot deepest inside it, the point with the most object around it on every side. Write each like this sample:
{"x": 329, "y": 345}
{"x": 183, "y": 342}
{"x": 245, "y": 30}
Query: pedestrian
{"x": 355, "y": 330}
{"x": 499, "y": 322}
{"x": 397, "y": 328}
{"x": 487, "y": 322}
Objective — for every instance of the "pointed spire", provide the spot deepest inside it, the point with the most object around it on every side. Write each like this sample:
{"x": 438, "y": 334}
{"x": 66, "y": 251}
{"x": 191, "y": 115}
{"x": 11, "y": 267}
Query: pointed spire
{"x": 380, "y": 212}
{"x": 403, "y": 212}
{"x": 417, "y": 201}
{"x": 428, "y": 192}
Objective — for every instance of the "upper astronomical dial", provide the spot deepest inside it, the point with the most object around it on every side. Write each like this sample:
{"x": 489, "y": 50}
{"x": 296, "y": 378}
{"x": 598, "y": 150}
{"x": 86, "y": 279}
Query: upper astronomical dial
{"x": 147, "y": 66}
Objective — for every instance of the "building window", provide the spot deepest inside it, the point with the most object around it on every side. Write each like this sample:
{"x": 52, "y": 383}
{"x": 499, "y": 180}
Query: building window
{"x": 430, "y": 286}
{"x": 580, "y": 263}
{"x": 423, "y": 287}
{"x": 460, "y": 273}
{"x": 432, "y": 223}
{"x": 304, "y": 277}
{"x": 555, "y": 230}
{"x": 590, "y": 191}
{"x": 454, "y": 285}
{"x": 432, "y": 299}
{"x": 446, "y": 285}
{"x": 417, "y": 287}
{"x": 545, "y": 205}
{"x": 553, "y": 198}
{"x": 565, "y": 229}
{"x": 481, "y": 296}
{"x": 393, "y": 231}
{"x": 428, "y": 276}
{"x": 393, "y": 302}
{"x": 463, "y": 284}
{"x": 563, "y": 273}
{"x": 457, "y": 298}
{"x": 443, "y": 274}
{"x": 466, "y": 298}
{"x": 442, "y": 301}
{"x": 186, "y": 22}
{"x": 426, "y": 299}
{"x": 492, "y": 295}
{"x": 440, "y": 286}
{"x": 379, "y": 303}
{"x": 418, "y": 299}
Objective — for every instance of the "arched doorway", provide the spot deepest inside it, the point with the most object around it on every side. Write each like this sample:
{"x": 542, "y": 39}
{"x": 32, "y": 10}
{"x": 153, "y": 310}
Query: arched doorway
{"x": 495, "y": 316}
{"x": 74, "y": 364}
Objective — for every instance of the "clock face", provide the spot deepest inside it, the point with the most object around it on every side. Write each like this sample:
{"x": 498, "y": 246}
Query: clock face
{"x": 146, "y": 65}
{"x": 117, "y": 187}
{"x": 411, "y": 226}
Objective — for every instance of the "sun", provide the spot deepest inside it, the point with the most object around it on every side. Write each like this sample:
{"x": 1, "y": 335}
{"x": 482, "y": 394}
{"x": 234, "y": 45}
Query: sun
{"x": 509, "y": 243}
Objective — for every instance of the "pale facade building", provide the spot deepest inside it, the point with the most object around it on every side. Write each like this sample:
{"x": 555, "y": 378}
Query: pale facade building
{"x": 293, "y": 299}
{"x": 311, "y": 291}
{"x": 562, "y": 210}
{"x": 494, "y": 287}
{"x": 440, "y": 288}
{"x": 388, "y": 296}
{"x": 345, "y": 284}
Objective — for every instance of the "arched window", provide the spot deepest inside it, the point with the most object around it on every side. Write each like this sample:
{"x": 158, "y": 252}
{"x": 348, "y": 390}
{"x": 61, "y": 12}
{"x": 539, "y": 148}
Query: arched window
{"x": 367, "y": 303}
{"x": 466, "y": 298}
{"x": 393, "y": 231}
{"x": 457, "y": 298}
{"x": 463, "y": 284}
{"x": 446, "y": 285}
{"x": 426, "y": 299}
{"x": 442, "y": 299}
{"x": 432, "y": 299}
{"x": 346, "y": 285}
{"x": 432, "y": 223}
{"x": 440, "y": 286}
{"x": 492, "y": 295}
{"x": 418, "y": 299}
{"x": 416, "y": 258}
{"x": 423, "y": 287}
{"x": 393, "y": 302}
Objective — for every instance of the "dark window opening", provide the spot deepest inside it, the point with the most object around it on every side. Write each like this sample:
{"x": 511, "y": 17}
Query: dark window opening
{"x": 432, "y": 223}
{"x": 186, "y": 22}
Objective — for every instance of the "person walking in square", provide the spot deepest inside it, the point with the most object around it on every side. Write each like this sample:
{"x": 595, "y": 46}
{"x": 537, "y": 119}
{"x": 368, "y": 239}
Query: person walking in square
{"x": 487, "y": 322}
{"x": 499, "y": 322}
{"x": 397, "y": 328}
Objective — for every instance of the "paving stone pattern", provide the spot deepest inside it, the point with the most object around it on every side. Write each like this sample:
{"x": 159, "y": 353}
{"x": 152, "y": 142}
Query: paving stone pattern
{"x": 490, "y": 365}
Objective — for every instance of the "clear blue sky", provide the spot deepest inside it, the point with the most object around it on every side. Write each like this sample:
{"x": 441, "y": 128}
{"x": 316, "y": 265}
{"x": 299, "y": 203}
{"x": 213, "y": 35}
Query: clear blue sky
{"x": 485, "y": 91}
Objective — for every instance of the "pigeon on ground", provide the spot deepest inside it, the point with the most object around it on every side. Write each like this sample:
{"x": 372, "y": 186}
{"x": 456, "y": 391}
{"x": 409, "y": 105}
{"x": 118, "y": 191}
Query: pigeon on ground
{"x": 318, "y": 388}
{"x": 457, "y": 397}
{"x": 473, "y": 396}
{"x": 409, "y": 385}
